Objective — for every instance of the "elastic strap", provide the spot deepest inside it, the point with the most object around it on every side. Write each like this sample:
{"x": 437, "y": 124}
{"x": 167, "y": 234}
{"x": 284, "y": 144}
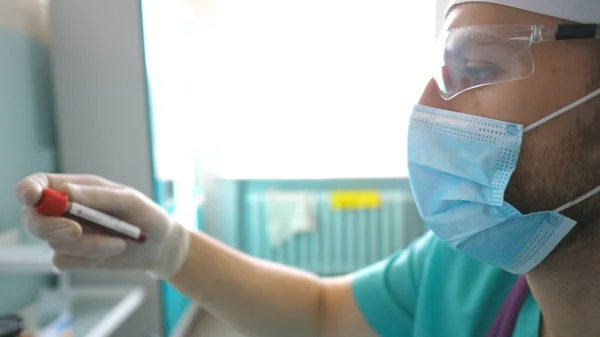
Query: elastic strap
{"x": 558, "y": 113}
{"x": 576, "y": 31}
{"x": 578, "y": 200}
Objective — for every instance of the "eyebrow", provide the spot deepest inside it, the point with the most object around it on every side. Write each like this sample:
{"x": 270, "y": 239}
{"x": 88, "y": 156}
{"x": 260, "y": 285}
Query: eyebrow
{"x": 468, "y": 35}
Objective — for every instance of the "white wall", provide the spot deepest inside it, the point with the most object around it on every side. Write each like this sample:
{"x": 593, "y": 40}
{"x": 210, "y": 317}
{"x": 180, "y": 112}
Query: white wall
{"x": 101, "y": 115}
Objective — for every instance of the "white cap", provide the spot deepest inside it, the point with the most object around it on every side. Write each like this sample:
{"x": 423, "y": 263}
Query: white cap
{"x": 581, "y": 11}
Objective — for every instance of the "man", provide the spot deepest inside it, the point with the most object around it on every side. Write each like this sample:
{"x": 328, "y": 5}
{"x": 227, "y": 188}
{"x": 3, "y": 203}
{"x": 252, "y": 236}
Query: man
{"x": 489, "y": 112}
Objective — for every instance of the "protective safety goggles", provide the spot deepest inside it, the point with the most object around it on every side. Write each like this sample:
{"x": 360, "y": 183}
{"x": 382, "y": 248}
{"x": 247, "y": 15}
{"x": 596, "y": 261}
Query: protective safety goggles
{"x": 477, "y": 56}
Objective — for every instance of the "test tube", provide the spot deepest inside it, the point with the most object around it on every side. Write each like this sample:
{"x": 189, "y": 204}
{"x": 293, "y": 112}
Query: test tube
{"x": 54, "y": 203}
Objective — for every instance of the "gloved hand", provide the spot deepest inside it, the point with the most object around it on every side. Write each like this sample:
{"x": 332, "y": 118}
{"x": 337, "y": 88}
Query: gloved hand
{"x": 78, "y": 246}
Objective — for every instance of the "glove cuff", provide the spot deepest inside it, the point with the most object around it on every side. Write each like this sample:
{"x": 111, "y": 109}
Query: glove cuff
{"x": 174, "y": 252}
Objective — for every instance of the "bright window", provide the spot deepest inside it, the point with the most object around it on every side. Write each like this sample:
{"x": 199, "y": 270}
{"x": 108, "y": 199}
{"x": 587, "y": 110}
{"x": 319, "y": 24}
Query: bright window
{"x": 312, "y": 88}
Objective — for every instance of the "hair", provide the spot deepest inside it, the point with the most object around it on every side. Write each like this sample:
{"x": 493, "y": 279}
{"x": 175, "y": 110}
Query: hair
{"x": 589, "y": 132}
{"x": 596, "y": 67}
{"x": 594, "y": 83}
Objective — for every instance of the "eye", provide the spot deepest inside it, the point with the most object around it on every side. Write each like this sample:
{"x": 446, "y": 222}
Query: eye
{"x": 481, "y": 71}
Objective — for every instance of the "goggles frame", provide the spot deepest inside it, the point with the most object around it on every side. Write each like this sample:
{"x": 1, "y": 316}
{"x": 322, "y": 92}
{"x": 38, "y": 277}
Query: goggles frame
{"x": 508, "y": 49}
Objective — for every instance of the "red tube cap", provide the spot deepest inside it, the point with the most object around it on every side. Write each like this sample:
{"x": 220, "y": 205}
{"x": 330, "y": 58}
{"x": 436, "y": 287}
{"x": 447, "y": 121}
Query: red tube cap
{"x": 52, "y": 203}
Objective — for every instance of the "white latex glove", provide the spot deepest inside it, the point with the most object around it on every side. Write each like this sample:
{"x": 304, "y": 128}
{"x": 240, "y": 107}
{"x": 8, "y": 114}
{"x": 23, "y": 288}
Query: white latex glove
{"x": 78, "y": 247}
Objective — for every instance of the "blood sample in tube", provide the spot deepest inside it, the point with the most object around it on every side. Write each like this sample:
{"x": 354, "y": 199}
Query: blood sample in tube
{"x": 54, "y": 203}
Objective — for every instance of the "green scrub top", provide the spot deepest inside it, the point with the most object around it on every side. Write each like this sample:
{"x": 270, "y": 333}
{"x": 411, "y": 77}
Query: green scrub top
{"x": 430, "y": 290}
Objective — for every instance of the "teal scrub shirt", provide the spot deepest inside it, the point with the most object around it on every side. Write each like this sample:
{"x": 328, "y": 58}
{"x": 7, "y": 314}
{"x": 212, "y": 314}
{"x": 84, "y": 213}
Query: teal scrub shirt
{"x": 430, "y": 290}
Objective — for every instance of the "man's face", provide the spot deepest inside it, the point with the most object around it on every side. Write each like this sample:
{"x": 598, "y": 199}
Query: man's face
{"x": 560, "y": 160}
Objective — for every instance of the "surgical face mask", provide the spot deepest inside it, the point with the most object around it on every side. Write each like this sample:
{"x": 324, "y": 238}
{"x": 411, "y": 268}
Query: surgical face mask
{"x": 459, "y": 168}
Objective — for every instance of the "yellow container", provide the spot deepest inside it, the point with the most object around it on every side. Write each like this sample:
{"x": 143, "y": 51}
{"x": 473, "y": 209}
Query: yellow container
{"x": 343, "y": 200}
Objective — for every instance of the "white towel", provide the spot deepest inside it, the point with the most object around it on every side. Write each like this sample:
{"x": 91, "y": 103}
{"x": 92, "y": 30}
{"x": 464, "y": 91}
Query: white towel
{"x": 288, "y": 214}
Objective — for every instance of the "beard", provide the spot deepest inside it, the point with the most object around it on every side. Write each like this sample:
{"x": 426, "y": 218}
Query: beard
{"x": 557, "y": 166}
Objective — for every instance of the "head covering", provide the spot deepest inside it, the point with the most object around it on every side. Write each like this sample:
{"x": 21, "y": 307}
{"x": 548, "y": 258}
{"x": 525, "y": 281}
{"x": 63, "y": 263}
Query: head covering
{"x": 582, "y": 11}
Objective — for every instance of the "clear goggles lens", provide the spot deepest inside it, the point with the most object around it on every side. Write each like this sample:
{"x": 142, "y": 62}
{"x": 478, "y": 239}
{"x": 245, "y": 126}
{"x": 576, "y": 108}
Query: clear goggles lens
{"x": 477, "y": 56}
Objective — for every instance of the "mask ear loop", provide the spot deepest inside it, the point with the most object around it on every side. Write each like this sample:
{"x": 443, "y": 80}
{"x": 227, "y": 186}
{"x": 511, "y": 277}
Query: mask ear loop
{"x": 560, "y": 112}
{"x": 578, "y": 200}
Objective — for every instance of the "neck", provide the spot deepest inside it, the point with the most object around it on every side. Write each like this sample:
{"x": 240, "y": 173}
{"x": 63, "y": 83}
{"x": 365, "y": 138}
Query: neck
{"x": 568, "y": 293}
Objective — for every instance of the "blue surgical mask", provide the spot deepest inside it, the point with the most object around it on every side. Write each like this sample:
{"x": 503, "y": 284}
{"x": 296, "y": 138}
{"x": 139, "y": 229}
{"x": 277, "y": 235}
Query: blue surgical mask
{"x": 459, "y": 168}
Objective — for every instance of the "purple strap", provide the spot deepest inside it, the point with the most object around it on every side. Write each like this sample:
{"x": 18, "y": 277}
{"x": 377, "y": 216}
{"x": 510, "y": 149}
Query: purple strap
{"x": 505, "y": 321}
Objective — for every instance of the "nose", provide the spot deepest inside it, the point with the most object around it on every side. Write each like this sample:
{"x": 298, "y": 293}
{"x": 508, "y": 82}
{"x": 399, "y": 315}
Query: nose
{"x": 431, "y": 97}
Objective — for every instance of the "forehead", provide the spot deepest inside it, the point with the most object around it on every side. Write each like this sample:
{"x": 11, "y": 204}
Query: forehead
{"x": 479, "y": 13}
